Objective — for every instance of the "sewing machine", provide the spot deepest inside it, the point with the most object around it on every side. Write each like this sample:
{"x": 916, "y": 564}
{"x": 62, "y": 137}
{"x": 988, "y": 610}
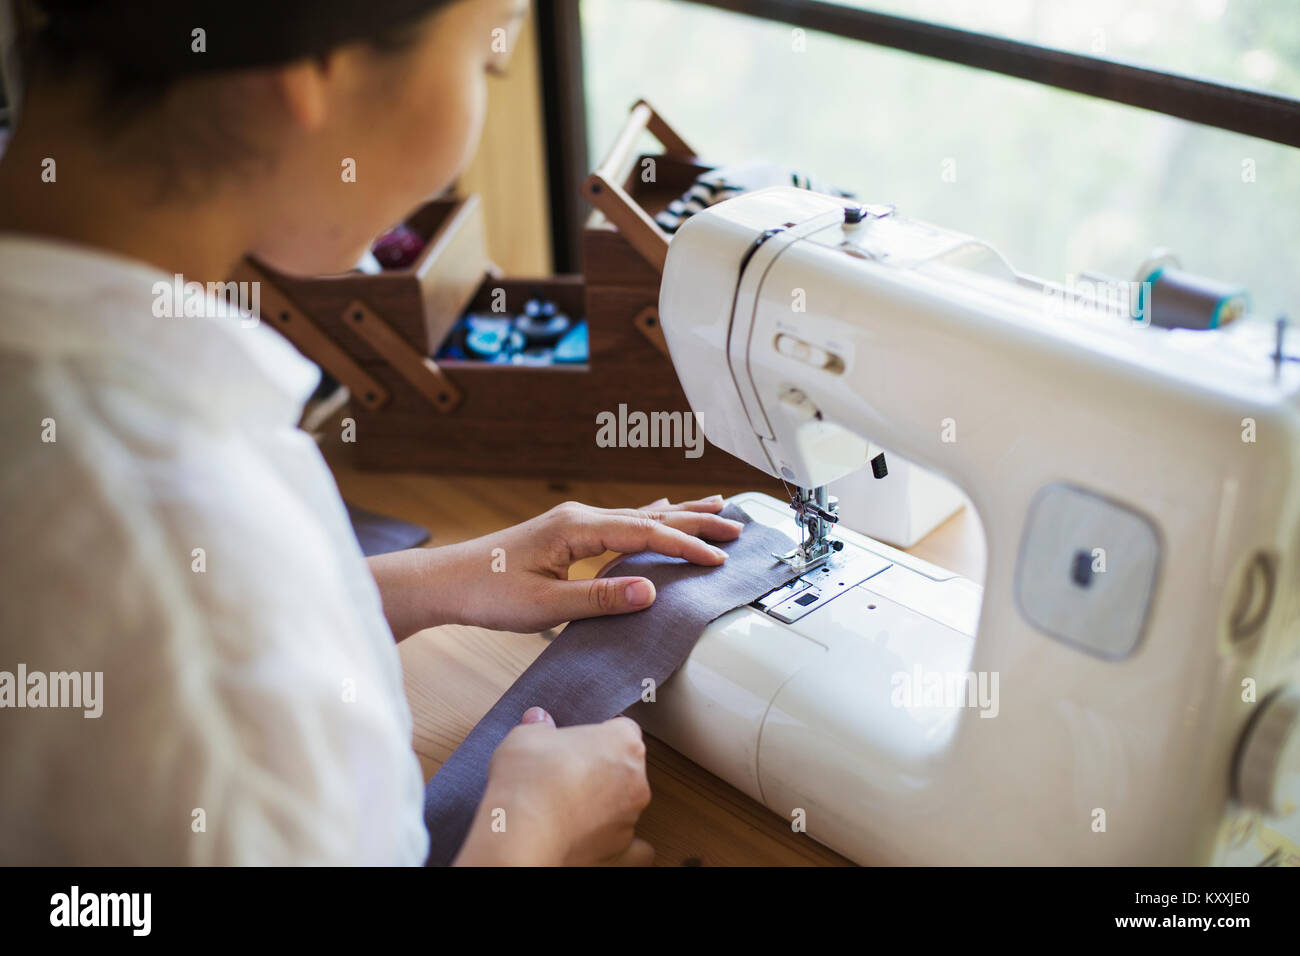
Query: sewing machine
{"x": 1124, "y": 688}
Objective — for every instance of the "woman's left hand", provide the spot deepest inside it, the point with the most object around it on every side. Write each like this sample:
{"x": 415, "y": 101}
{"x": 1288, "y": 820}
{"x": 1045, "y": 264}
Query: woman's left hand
{"x": 518, "y": 579}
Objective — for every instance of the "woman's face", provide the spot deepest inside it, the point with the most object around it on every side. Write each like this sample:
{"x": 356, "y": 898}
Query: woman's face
{"x": 375, "y": 132}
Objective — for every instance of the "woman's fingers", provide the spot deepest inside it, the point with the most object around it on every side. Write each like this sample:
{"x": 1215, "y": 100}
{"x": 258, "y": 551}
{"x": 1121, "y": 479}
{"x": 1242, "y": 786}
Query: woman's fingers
{"x": 574, "y": 600}
{"x": 702, "y": 523}
{"x": 713, "y": 503}
{"x": 676, "y": 534}
{"x": 638, "y": 853}
{"x": 537, "y": 715}
{"x": 699, "y": 523}
{"x": 675, "y": 531}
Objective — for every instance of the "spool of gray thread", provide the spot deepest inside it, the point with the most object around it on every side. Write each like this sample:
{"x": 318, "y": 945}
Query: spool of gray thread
{"x": 1180, "y": 300}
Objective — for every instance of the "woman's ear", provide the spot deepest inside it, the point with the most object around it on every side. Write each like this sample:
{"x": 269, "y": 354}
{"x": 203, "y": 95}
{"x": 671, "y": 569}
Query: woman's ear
{"x": 303, "y": 88}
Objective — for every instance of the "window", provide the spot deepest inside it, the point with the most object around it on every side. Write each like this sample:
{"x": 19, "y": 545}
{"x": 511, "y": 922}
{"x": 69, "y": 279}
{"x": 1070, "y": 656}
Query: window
{"x": 1060, "y": 182}
{"x": 1247, "y": 42}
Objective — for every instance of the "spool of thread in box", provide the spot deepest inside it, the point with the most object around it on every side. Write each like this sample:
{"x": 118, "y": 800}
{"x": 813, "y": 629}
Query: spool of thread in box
{"x": 1174, "y": 299}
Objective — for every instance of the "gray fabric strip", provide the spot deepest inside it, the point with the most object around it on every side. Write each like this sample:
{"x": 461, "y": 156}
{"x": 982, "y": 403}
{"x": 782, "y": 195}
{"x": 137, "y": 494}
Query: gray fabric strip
{"x": 594, "y": 669}
{"x": 378, "y": 534}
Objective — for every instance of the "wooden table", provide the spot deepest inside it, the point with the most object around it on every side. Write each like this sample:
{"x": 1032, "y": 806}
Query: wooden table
{"x": 454, "y": 674}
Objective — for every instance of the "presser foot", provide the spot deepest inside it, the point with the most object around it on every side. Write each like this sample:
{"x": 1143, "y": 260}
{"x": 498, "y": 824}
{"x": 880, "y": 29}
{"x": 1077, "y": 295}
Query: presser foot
{"x": 815, "y": 512}
{"x": 802, "y": 559}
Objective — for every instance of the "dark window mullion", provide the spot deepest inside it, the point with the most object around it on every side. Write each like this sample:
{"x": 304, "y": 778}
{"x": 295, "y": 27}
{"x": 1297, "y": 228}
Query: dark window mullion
{"x": 564, "y": 107}
{"x": 1225, "y": 106}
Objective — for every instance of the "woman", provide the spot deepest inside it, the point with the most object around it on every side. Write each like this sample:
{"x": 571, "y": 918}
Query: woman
{"x": 167, "y": 526}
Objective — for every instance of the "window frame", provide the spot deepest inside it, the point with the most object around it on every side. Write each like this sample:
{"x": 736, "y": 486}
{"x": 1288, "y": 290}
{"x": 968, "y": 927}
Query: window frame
{"x": 1225, "y": 106}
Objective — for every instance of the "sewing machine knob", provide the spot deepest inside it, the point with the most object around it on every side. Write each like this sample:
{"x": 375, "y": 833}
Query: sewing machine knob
{"x": 1268, "y": 769}
{"x": 794, "y": 348}
{"x": 798, "y": 405}
{"x": 801, "y": 351}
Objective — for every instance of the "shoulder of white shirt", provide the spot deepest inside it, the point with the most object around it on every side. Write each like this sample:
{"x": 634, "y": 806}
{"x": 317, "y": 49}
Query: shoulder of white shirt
{"x": 61, "y": 300}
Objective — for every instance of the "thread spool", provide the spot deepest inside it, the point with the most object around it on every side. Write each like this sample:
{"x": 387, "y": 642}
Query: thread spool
{"x": 1173, "y": 299}
{"x": 542, "y": 324}
{"x": 486, "y": 336}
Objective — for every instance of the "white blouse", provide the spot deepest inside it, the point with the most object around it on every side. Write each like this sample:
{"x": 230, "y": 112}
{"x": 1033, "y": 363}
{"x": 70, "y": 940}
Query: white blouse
{"x": 168, "y": 532}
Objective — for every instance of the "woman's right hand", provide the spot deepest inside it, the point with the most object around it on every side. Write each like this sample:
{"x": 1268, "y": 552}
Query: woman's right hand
{"x": 567, "y": 796}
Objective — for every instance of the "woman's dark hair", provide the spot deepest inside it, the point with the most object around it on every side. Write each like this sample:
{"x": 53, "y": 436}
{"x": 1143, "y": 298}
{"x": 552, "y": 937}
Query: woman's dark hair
{"x": 137, "y": 51}
{"x": 139, "y": 44}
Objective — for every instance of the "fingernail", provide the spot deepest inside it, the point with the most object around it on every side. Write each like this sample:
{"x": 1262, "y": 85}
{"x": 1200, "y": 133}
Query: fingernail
{"x": 714, "y": 498}
{"x": 639, "y": 593}
{"x": 534, "y": 715}
{"x": 719, "y": 552}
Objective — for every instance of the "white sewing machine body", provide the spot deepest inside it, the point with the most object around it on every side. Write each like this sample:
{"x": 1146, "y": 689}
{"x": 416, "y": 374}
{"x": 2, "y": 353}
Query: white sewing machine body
{"x": 1143, "y": 555}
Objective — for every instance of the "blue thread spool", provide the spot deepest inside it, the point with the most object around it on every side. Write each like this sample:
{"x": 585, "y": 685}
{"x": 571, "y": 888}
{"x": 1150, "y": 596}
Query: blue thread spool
{"x": 541, "y": 323}
{"x": 486, "y": 336}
